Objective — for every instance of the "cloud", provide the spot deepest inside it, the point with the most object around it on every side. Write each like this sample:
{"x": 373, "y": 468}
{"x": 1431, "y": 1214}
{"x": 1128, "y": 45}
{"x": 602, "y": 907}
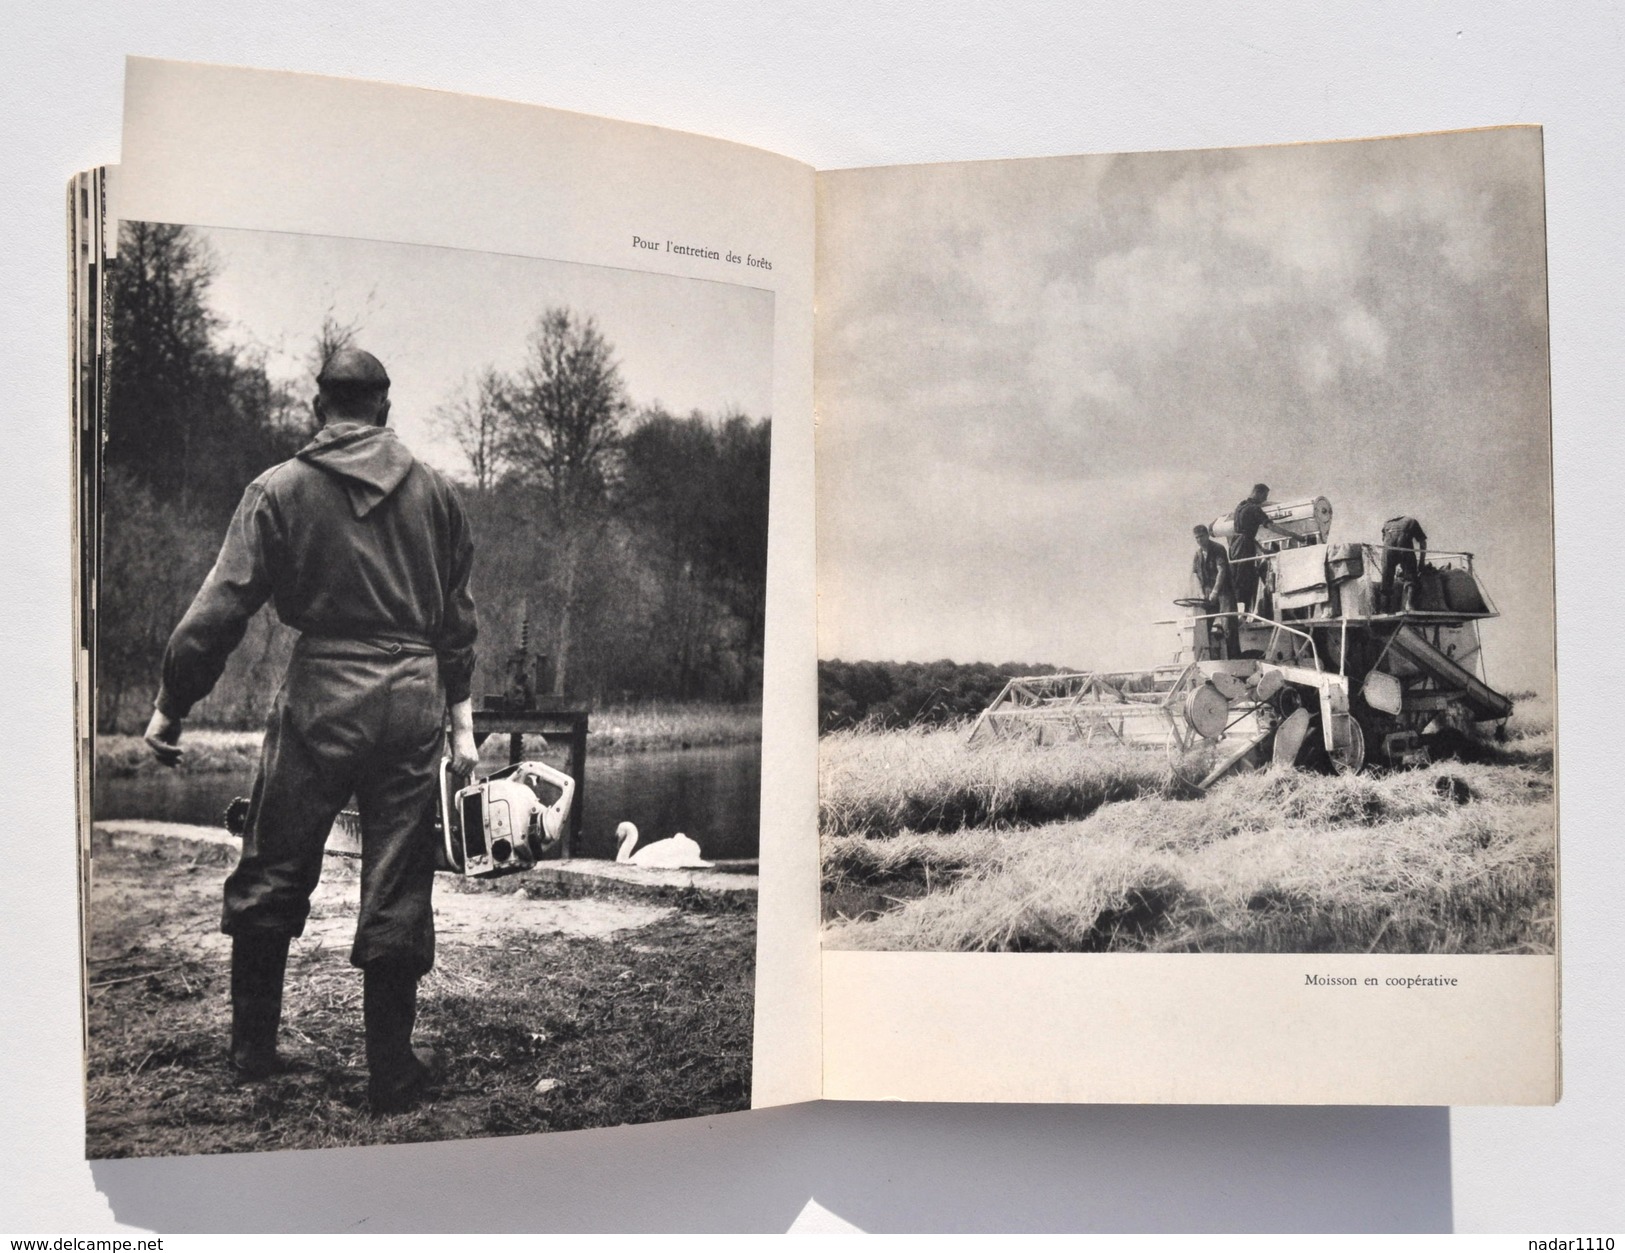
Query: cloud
{"x": 1364, "y": 320}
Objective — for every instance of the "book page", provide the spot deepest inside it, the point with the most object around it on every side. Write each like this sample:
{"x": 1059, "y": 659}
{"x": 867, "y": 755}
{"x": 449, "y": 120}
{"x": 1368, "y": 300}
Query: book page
{"x": 1186, "y": 632}
{"x": 597, "y": 337}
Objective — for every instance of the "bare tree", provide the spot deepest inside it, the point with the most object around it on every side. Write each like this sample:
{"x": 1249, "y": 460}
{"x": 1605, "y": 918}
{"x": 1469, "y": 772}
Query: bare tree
{"x": 333, "y": 336}
{"x": 473, "y": 418}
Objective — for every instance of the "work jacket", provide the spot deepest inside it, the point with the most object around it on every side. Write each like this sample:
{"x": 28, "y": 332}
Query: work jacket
{"x": 1404, "y": 532}
{"x": 1211, "y": 568}
{"x": 353, "y": 538}
{"x": 1247, "y": 518}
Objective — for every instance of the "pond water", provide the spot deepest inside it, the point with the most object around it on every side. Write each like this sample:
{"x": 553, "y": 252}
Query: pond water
{"x": 712, "y": 794}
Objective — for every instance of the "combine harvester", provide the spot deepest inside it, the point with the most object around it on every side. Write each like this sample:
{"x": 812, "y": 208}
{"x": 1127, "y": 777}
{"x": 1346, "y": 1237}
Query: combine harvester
{"x": 1326, "y": 672}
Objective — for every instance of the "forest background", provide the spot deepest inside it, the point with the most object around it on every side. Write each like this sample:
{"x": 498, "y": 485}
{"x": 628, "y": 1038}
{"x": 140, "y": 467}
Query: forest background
{"x": 631, "y": 539}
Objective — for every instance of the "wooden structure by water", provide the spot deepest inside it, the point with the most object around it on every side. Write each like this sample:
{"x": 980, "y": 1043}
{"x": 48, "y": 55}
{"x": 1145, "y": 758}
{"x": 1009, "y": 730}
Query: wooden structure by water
{"x": 557, "y": 718}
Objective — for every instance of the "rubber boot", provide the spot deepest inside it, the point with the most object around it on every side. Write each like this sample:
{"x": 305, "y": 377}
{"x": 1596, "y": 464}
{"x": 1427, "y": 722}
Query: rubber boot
{"x": 258, "y": 964}
{"x": 398, "y": 1074}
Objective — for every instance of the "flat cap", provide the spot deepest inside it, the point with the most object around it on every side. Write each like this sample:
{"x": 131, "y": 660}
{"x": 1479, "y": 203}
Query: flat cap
{"x": 352, "y": 371}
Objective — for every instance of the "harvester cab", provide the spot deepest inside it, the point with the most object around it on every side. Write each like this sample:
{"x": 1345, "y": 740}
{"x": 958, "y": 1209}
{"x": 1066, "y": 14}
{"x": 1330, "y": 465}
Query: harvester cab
{"x": 1326, "y": 672}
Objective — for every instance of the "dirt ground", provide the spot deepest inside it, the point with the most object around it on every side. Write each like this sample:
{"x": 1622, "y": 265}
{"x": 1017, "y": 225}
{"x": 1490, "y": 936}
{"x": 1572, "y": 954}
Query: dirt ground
{"x": 555, "y": 1007}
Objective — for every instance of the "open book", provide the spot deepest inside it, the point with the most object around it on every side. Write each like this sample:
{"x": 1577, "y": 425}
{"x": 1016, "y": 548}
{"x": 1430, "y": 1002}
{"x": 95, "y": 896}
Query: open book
{"x": 879, "y": 691}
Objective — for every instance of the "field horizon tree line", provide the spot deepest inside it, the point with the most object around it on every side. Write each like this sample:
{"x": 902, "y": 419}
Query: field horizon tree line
{"x": 894, "y": 695}
{"x": 632, "y": 540}
{"x": 889, "y": 695}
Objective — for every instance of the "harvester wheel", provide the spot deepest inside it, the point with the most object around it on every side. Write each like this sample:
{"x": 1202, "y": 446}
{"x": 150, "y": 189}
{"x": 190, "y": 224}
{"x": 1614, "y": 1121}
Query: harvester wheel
{"x": 1348, "y": 755}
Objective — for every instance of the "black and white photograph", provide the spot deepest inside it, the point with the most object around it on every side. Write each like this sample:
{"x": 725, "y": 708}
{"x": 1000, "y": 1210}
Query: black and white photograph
{"x": 429, "y": 606}
{"x": 1090, "y": 524}
{"x": 1185, "y": 552}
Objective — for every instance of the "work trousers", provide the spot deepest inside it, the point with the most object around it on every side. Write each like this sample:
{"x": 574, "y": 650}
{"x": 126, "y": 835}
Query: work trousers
{"x": 352, "y": 718}
{"x": 1400, "y": 561}
{"x": 1243, "y": 573}
{"x": 1226, "y": 627}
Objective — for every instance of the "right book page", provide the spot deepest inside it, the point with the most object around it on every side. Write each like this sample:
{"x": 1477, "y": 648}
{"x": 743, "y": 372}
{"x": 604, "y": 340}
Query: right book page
{"x": 1186, "y": 627}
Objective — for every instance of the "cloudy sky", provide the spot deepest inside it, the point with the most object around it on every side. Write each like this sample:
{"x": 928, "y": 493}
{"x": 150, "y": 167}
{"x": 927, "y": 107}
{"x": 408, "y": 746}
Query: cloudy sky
{"x": 435, "y": 316}
{"x": 1035, "y": 376}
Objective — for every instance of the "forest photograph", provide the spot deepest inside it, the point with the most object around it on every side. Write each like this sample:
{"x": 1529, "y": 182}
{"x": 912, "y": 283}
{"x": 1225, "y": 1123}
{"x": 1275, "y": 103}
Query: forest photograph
{"x": 620, "y": 504}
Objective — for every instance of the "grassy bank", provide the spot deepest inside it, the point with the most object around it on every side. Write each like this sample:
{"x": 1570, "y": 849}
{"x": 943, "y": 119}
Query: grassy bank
{"x": 207, "y": 751}
{"x": 880, "y": 784}
{"x": 540, "y": 1032}
{"x": 635, "y": 728}
{"x": 612, "y": 729}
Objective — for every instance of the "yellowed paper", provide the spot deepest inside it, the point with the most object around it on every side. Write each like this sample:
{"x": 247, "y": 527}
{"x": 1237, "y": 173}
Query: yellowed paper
{"x": 1190, "y": 1029}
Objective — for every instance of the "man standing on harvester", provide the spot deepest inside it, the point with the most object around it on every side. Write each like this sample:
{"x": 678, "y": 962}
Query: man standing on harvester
{"x": 1210, "y": 568}
{"x": 1404, "y": 549}
{"x": 1248, "y": 518}
{"x": 366, "y": 552}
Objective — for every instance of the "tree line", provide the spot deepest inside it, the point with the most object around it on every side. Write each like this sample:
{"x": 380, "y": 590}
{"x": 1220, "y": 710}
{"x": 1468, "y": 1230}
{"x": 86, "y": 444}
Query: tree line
{"x": 632, "y": 541}
{"x": 890, "y": 694}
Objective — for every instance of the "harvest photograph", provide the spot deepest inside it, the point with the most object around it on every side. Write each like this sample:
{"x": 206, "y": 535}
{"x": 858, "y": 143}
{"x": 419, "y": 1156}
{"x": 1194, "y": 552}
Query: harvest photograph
{"x": 429, "y": 592}
{"x": 1185, "y": 552}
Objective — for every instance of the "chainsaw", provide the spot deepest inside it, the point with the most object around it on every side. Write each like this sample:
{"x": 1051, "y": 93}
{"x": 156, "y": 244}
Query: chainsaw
{"x": 495, "y": 825}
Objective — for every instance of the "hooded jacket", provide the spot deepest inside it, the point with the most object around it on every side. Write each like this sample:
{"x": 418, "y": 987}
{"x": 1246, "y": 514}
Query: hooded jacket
{"x": 352, "y": 538}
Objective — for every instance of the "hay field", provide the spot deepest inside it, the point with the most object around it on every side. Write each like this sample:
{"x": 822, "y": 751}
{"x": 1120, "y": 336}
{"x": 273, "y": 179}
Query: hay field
{"x": 885, "y": 783}
{"x": 930, "y": 845}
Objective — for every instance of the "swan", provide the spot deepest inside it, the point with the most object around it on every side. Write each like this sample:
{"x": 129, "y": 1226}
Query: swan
{"x": 675, "y": 853}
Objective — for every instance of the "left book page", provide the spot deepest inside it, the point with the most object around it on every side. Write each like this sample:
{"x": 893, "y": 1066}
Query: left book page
{"x": 352, "y": 358}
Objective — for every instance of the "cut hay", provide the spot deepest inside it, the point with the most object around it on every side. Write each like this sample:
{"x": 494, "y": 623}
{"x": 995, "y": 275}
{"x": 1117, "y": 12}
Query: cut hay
{"x": 1453, "y": 858}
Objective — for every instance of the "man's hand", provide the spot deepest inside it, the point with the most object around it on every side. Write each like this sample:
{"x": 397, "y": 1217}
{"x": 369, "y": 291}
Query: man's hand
{"x": 464, "y": 753}
{"x": 163, "y": 737}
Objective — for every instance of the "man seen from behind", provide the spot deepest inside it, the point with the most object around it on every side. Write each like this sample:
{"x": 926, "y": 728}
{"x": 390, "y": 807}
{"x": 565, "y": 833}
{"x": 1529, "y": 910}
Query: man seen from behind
{"x": 1249, "y": 518}
{"x": 1404, "y": 550}
{"x": 366, "y": 552}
